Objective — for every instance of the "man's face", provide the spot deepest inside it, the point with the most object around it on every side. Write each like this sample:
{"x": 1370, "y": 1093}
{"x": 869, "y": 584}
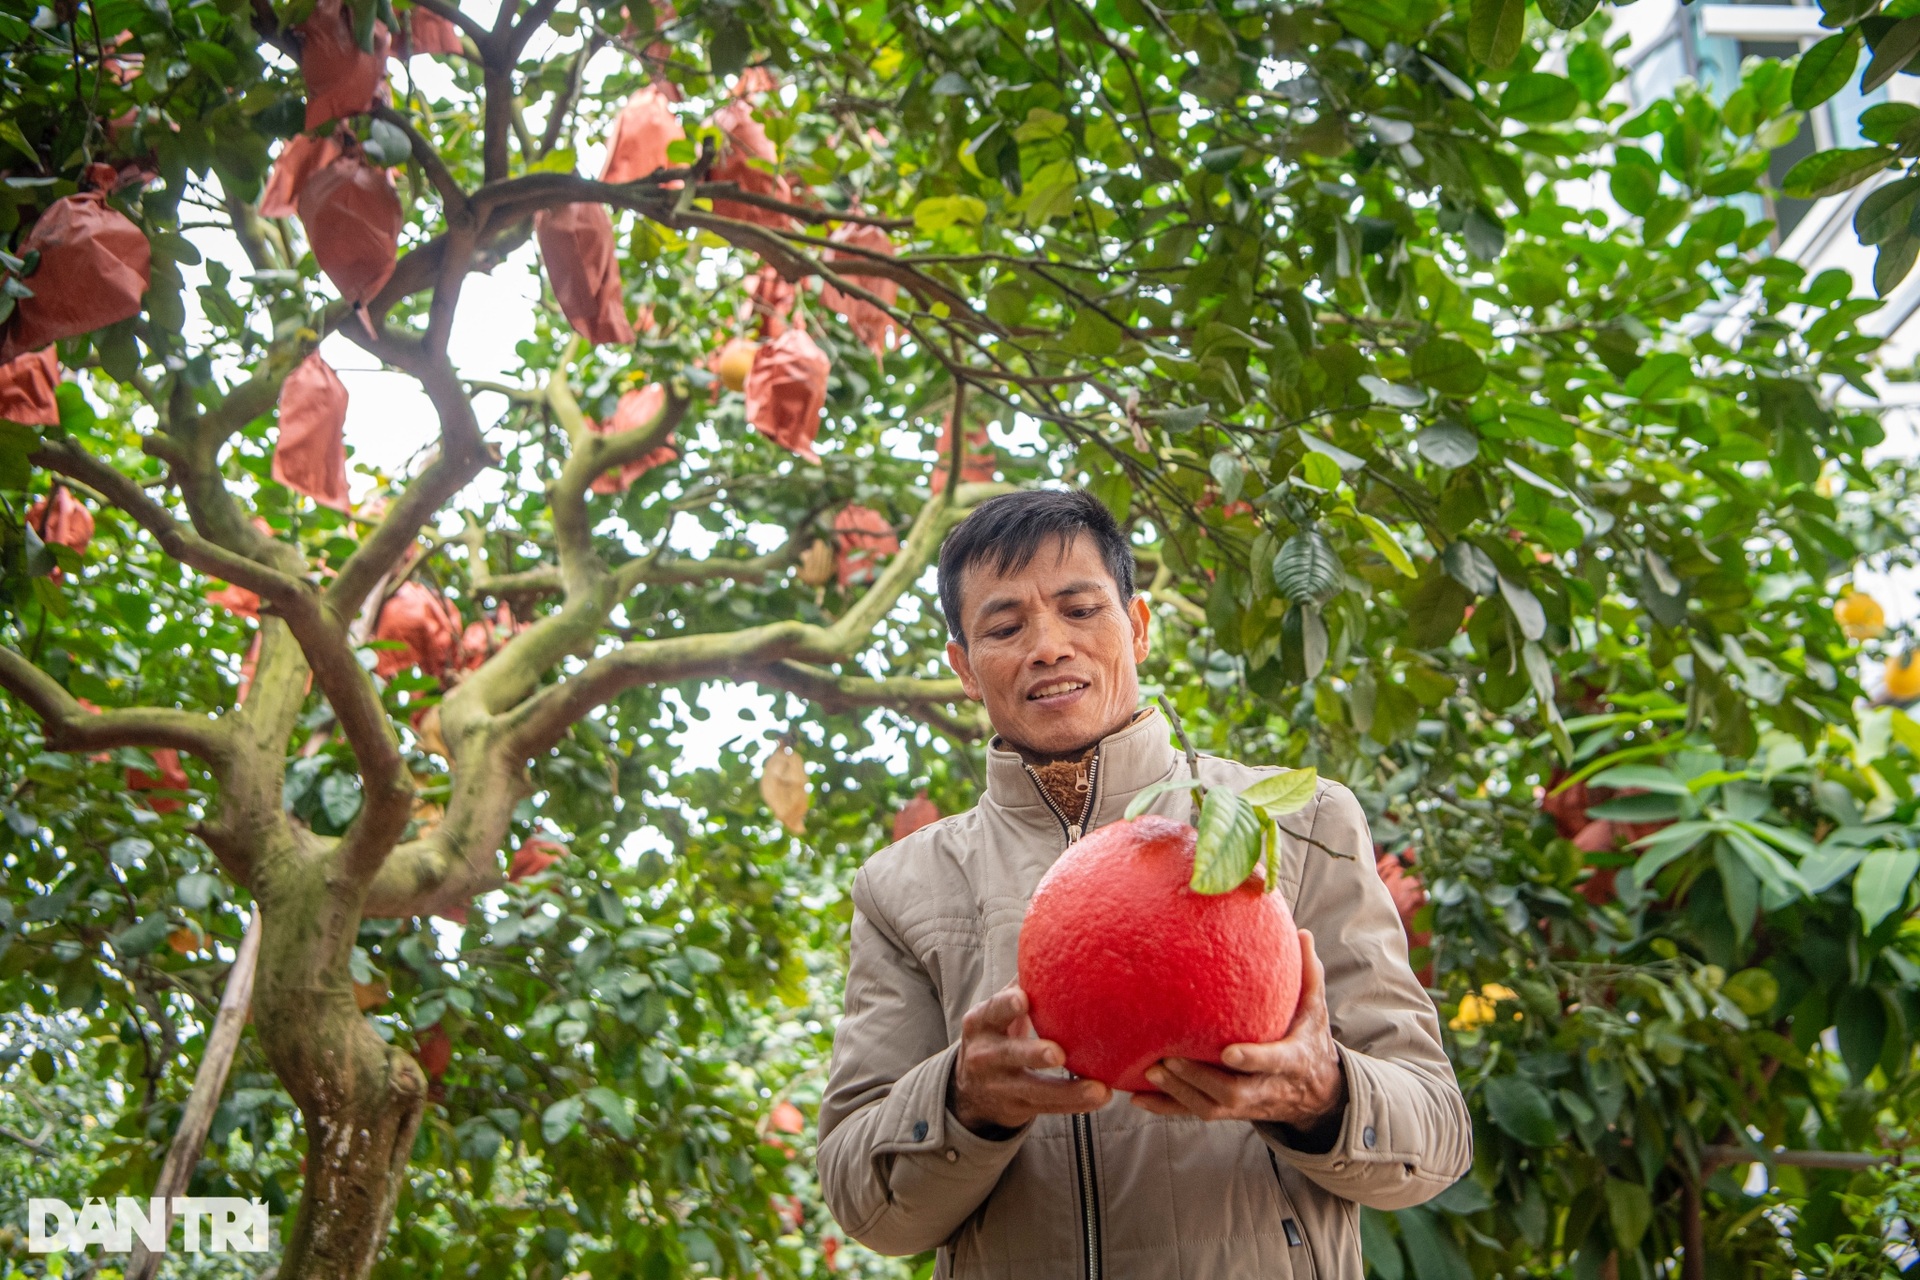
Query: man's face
{"x": 1051, "y": 649}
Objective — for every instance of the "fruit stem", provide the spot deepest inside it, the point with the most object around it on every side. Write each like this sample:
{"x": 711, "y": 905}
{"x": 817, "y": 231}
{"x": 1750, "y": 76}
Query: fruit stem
{"x": 1180, "y": 732}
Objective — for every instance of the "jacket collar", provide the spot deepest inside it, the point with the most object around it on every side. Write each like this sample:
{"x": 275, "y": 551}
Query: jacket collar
{"x": 1130, "y": 759}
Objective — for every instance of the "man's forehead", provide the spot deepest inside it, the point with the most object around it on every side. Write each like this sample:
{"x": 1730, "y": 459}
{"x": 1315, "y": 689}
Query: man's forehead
{"x": 1063, "y": 567}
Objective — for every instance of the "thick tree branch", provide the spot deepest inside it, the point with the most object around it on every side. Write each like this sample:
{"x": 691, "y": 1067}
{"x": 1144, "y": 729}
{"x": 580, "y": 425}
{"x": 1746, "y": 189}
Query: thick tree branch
{"x": 921, "y": 699}
{"x": 68, "y": 726}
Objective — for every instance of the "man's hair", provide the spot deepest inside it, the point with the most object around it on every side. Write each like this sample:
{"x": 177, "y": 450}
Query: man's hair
{"x": 1005, "y": 533}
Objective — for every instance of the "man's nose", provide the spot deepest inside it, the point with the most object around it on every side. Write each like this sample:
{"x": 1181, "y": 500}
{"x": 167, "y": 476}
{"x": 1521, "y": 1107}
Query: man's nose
{"x": 1052, "y": 642}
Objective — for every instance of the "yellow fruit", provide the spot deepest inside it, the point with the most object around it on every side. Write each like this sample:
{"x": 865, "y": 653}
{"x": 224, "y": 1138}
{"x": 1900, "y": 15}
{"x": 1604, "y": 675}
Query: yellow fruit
{"x": 816, "y": 563}
{"x": 1903, "y": 677}
{"x": 735, "y": 362}
{"x": 1860, "y": 616}
{"x": 1475, "y": 1011}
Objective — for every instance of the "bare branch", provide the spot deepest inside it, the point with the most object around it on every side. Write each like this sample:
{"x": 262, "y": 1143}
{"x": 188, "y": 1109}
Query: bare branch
{"x": 68, "y": 726}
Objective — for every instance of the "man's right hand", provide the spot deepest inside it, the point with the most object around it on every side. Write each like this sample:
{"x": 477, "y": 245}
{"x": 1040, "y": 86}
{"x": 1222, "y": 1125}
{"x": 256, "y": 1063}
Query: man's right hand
{"x": 996, "y": 1082}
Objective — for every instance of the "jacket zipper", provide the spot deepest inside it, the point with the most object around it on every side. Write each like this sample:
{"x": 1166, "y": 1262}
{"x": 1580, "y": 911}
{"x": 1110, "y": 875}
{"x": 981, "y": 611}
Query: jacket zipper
{"x": 1072, "y": 829}
{"x": 1089, "y": 1194}
{"x": 1083, "y": 1122}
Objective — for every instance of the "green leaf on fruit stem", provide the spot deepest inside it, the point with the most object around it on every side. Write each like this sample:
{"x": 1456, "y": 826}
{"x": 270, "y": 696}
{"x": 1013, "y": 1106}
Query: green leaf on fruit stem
{"x": 1142, "y": 802}
{"x": 1825, "y": 69}
{"x": 1228, "y": 844}
{"x": 1280, "y": 794}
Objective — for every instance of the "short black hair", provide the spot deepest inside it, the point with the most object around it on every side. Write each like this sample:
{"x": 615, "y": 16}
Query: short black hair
{"x": 1006, "y": 533}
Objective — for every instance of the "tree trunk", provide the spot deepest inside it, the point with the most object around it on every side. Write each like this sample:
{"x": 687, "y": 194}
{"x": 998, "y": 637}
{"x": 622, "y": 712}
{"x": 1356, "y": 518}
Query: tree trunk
{"x": 361, "y": 1098}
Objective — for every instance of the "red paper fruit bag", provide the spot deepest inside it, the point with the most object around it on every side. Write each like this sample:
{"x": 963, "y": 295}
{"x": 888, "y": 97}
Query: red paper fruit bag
{"x": 635, "y": 410}
{"x": 425, "y": 623}
{"x": 786, "y": 391}
{"x": 734, "y": 168}
{"x": 311, "y": 456}
{"x": 576, "y": 244}
{"x": 94, "y": 267}
{"x": 170, "y": 778}
{"x": 864, "y": 537}
{"x": 428, "y": 32}
{"x": 641, "y": 133}
{"x": 27, "y": 386}
{"x": 341, "y": 76}
{"x": 352, "y": 216}
{"x": 62, "y": 518}
{"x": 299, "y": 160}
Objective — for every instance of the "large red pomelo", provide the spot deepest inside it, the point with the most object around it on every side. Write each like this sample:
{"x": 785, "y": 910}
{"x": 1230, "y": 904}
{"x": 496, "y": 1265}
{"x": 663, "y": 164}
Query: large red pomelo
{"x": 1124, "y": 964}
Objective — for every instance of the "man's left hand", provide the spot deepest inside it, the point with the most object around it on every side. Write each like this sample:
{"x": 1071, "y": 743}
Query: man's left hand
{"x": 1296, "y": 1081}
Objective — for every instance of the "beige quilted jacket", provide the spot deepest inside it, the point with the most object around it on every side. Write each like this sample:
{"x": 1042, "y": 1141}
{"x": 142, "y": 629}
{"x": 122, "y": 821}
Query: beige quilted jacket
{"x": 1118, "y": 1193}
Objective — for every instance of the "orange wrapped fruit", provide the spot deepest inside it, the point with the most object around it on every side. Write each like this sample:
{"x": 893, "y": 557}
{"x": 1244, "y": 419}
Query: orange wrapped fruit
{"x": 27, "y": 386}
{"x": 864, "y": 537}
{"x": 352, "y": 216}
{"x": 341, "y": 77}
{"x": 576, "y": 244}
{"x": 311, "y": 454}
{"x": 786, "y": 390}
{"x": 424, "y": 624}
{"x": 94, "y": 268}
{"x": 299, "y": 160}
{"x": 641, "y": 134}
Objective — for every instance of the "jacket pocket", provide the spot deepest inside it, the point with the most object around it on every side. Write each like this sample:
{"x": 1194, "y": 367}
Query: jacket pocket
{"x": 1292, "y": 1226}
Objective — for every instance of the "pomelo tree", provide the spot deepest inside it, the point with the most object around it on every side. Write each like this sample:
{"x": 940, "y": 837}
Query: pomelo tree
{"x": 1476, "y": 451}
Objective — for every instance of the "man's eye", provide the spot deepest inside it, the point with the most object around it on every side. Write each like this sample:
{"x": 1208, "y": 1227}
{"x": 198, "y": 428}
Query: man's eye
{"x": 1001, "y": 633}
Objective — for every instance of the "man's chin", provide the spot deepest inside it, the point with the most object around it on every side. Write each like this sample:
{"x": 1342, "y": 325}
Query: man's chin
{"x": 1038, "y": 734}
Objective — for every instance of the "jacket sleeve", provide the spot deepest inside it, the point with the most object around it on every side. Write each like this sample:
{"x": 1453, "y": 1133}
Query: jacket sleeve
{"x": 1406, "y": 1135}
{"x": 899, "y": 1172}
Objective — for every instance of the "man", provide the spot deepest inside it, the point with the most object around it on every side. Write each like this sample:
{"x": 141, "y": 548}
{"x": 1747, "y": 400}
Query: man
{"x": 948, "y": 1123}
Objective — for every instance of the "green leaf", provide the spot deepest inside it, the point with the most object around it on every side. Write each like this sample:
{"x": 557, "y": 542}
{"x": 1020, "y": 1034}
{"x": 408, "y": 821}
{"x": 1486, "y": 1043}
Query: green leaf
{"x": 1230, "y": 474}
{"x": 1894, "y": 51}
{"x": 1471, "y": 567}
{"x": 1143, "y": 800}
{"x": 1860, "y": 1024}
{"x": 1827, "y": 173}
{"x": 1448, "y": 444}
{"x": 1494, "y": 30}
{"x": 1754, "y": 991}
{"x": 1280, "y": 794}
{"x": 1629, "y": 1210}
{"x": 139, "y": 939}
{"x": 1307, "y": 568}
{"x": 1880, "y": 885}
{"x": 1886, "y": 211}
{"x": 1392, "y": 393}
{"x": 1828, "y": 866}
{"x": 1536, "y": 97}
{"x": 1825, "y": 69}
{"x": 1228, "y": 844}
{"x": 1450, "y": 366}
{"x": 1568, "y": 14}
{"x": 558, "y": 1120}
{"x": 1635, "y": 180}
{"x": 1388, "y": 545}
{"x": 1522, "y": 1110}
{"x": 1526, "y": 610}
{"x": 11, "y": 135}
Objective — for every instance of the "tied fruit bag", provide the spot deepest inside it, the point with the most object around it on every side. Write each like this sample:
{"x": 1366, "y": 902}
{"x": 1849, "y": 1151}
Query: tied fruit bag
{"x": 94, "y": 268}
{"x": 27, "y": 386}
{"x": 352, "y": 215}
{"x": 341, "y": 77}
{"x": 311, "y": 455}
{"x": 786, "y": 390}
{"x": 641, "y": 133}
{"x": 576, "y": 244}
{"x": 635, "y": 410}
{"x": 864, "y": 537}
{"x": 298, "y": 161}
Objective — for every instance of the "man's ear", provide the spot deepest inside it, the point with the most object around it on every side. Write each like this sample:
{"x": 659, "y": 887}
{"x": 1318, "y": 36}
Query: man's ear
{"x": 1141, "y": 618}
{"x": 957, "y": 659}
